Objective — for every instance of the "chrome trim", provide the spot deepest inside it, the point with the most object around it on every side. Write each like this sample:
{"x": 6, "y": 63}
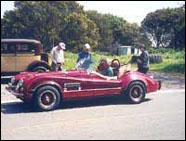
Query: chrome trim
{"x": 70, "y": 85}
{"x": 10, "y": 88}
{"x": 102, "y": 89}
{"x": 17, "y": 94}
{"x": 19, "y": 84}
{"x": 12, "y": 80}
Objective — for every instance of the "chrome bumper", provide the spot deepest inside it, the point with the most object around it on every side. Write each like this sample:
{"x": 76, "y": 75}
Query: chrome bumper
{"x": 12, "y": 90}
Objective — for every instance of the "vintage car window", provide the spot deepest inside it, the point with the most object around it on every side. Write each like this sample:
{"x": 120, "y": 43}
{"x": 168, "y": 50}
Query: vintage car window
{"x": 8, "y": 48}
{"x": 25, "y": 48}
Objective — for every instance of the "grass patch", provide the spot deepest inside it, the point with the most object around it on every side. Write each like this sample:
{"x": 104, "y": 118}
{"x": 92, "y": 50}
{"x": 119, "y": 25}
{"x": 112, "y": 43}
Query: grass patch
{"x": 167, "y": 66}
{"x": 70, "y": 59}
{"x": 172, "y": 61}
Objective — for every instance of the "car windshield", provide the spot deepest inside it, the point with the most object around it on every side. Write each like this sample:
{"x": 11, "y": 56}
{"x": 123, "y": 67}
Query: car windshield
{"x": 7, "y": 48}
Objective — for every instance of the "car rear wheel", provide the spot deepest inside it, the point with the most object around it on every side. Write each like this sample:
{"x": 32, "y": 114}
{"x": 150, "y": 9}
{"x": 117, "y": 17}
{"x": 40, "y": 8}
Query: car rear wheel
{"x": 136, "y": 92}
{"x": 47, "y": 98}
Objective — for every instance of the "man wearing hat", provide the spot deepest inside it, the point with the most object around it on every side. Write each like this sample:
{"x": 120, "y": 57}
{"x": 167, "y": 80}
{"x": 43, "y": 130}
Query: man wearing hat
{"x": 143, "y": 61}
{"x": 84, "y": 58}
{"x": 58, "y": 57}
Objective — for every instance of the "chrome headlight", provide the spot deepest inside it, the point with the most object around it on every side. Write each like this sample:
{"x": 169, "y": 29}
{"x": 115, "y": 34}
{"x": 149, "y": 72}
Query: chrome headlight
{"x": 12, "y": 80}
{"x": 19, "y": 84}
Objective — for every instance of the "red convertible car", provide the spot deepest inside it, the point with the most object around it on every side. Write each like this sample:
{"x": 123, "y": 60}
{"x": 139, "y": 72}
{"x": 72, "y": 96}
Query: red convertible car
{"x": 47, "y": 90}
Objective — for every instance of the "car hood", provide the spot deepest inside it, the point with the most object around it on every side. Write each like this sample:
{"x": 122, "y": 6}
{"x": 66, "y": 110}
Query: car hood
{"x": 29, "y": 75}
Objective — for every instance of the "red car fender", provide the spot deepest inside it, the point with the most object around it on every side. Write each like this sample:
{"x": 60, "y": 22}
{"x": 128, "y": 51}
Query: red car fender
{"x": 130, "y": 77}
{"x": 150, "y": 84}
{"x": 48, "y": 83}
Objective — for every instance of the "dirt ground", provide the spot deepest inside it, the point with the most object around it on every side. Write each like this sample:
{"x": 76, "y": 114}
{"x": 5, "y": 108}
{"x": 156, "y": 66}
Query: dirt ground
{"x": 170, "y": 80}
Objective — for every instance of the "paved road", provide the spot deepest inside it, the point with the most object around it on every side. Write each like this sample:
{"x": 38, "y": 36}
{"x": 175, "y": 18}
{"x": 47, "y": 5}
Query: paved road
{"x": 160, "y": 116}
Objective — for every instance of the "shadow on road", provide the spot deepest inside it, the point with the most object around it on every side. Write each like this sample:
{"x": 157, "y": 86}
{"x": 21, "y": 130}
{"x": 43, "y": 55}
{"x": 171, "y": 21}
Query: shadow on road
{"x": 15, "y": 108}
{"x": 117, "y": 100}
{"x": 20, "y": 107}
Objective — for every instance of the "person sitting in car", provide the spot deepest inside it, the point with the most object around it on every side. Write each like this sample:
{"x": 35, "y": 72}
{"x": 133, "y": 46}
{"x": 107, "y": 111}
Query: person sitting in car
{"x": 105, "y": 68}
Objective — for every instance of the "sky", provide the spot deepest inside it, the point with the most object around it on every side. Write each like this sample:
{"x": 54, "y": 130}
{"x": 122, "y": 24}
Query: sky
{"x": 132, "y": 11}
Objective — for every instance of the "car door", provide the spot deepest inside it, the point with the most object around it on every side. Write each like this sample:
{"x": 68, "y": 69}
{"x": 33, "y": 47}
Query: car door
{"x": 8, "y": 62}
{"x": 103, "y": 86}
{"x": 78, "y": 86}
{"x": 87, "y": 85}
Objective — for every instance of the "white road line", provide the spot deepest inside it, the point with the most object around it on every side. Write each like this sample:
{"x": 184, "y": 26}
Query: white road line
{"x": 161, "y": 91}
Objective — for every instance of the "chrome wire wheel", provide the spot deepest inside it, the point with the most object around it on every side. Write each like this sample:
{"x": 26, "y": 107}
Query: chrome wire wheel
{"x": 136, "y": 92}
{"x": 47, "y": 99}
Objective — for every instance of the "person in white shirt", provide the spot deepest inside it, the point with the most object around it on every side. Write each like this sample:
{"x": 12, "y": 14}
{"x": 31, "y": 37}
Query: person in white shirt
{"x": 57, "y": 57}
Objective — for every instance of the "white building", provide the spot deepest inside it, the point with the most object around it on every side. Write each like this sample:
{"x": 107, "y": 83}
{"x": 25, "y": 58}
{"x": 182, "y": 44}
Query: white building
{"x": 125, "y": 50}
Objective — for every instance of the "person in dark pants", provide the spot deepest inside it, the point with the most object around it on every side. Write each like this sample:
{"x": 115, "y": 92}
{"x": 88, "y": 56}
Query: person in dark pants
{"x": 143, "y": 60}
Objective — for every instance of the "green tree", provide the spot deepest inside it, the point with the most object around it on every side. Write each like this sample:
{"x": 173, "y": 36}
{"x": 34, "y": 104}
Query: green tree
{"x": 166, "y": 27}
{"x": 41, "y": 20}
{"x": 110, "y": 29}
{"x": 105, "y": 30}
{"x": 130, "y": 33}
{"x": 176, "y": 22}
{"x": 115, "y": 31}
{"x": 78, "y": 30}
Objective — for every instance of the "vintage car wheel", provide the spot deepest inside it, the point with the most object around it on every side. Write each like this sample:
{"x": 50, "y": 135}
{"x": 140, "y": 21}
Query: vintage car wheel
{"x": 136, "y": 92}
{"x": 47, "y": 98}
{"x": 40, "y": 69}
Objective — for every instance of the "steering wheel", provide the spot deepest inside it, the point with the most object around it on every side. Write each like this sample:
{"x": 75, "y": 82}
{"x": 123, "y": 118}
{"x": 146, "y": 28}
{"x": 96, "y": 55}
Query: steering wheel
{"x": 115, "y": 64}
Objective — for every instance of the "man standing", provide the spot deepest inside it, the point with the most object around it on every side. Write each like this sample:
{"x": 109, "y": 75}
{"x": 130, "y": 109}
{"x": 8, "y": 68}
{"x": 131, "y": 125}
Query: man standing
{"x": 57, "y": 57}
{"x": 84, "y": 58}
{"x": 143, "y": 61}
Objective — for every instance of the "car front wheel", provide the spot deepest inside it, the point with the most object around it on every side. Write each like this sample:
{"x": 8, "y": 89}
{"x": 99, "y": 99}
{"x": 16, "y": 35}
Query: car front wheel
{"x": 47, "y": 98}
{"x": 136, "y": 92}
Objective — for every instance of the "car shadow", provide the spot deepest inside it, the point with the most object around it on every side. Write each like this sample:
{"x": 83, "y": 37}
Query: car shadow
{"x": 15, "y": 108}
{"x": 20, "y": 107}
{"x": 106, "y": 101}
